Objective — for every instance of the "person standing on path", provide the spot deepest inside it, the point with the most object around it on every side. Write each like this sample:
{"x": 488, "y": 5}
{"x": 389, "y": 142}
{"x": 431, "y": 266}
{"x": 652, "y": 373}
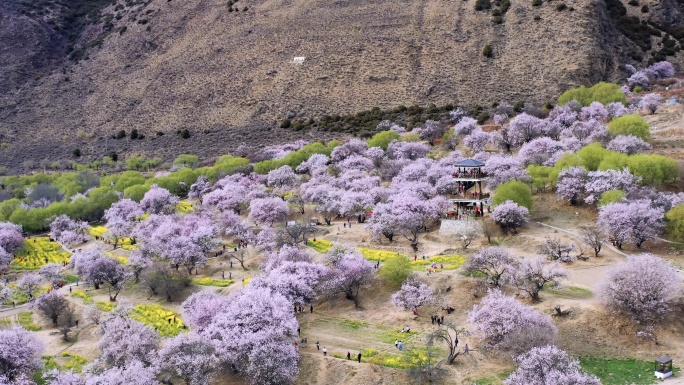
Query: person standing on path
{"x": 318, "y": 346}
{"x": 311, "y": 309}
{"x": 349, "y": 355}
{"x": 396, "y": 343}
{"x": 325, "y": 352}
{"x": 401, "y": 346}
{"x": 359, "y": 357}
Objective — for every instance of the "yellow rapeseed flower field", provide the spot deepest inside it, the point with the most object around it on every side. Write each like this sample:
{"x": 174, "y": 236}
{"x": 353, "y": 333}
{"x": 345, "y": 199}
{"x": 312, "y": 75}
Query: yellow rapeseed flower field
{"x": 38, "y": 252}
{"x": 164, "y": 321}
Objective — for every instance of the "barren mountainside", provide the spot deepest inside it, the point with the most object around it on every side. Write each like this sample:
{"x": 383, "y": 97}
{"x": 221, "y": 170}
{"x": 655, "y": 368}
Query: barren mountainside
{"x": 225, "y": 71}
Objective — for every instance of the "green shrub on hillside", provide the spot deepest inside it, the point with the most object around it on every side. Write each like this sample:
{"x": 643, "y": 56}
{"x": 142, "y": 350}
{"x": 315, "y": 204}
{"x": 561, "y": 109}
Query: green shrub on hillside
{"x": 395, "y": 270}
{"x": 654, "y": 170}
{"x": 602, "y": 92}
{"x": 482, "y": 5}
{"x": 295, "y": 158}
{"x": 543, "y": 177}
{"x": 382, "y": 139}
{"x": 516, "y": 191}
{"x": 591, "y": 156}
{"x": 675, "y": 222}
{"x": 630, "y": 125}
{"x": 186, "y": 160}
{"x": 487, "y": 51}
{"x": 611, "y": 196}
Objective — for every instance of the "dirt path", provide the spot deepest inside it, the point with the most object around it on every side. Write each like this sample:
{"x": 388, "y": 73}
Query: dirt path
{"x": 606, "y": 244}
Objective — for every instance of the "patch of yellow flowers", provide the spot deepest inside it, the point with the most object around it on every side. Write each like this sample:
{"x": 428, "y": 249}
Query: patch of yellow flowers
{"x": 164, "y": 321}
{"x": 38, "y": 252}
{"x": 208, "y": 281}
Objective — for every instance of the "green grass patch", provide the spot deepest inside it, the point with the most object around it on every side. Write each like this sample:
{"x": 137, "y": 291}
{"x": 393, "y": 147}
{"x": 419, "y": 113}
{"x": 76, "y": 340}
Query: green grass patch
{"x": 164, "y": 321}
{"x": 20, "y": 298}
{"x": 38, "y": 252}
{"x": 70, "y": 278}
{"x": 353, "y": 324}
{"x": 620, "y": 371}
{"x": 208, "y": 281}
{"x": 390, "y": 336}
{"x": 70, "y": 361}
{"x": 49, "y": 363}
{"x": 572, "y": 292}
{"x": 321, "y": 245}
{"x": 25, "y": 319}
{"x": 73, "y": 362}
{"x": 106, "y": 306}
{"x": 492, "y": 380}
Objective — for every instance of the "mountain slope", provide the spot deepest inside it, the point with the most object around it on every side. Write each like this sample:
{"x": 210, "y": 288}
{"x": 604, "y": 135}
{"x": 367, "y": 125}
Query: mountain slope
{"x": 163, "y": 66}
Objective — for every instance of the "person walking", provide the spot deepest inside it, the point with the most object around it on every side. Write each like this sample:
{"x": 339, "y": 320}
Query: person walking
{"x": 400, "y": 346}
{"x": 318, "y": 346}
{"x": 396, "y": 344}
{"x": 359, "y": 357}
{"x": 299, "y": 331}
{"x": 311, "y": 308}
{"x": 325, "y": 352}
{"x": 349, "y": 355}
{"x": 442, "y": 320}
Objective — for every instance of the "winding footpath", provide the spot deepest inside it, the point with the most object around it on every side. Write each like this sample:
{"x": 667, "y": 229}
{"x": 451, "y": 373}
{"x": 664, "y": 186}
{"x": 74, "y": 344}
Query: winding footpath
{"x": 606, "y": 244}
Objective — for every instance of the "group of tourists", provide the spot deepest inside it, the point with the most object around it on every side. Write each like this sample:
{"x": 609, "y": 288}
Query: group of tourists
{"x": 437, "y": 319}
{"x": 358, "y": 357}
{"x": 398, "y": 344}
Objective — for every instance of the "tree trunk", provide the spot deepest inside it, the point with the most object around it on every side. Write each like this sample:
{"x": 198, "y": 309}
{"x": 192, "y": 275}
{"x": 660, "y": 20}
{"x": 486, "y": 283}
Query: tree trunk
{"x": 356, "y": 301}
{"x": 535, "y": 296}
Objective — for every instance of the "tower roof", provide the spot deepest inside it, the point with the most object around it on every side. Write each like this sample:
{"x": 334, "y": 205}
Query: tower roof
{"x": 469, "y": 163}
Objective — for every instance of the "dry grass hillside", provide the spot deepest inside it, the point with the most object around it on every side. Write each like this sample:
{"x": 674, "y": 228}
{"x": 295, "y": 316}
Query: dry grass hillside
{"x": 163, "y": 66}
